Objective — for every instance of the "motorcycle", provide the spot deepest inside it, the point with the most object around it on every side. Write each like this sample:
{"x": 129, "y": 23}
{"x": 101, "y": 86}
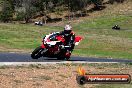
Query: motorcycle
{"x": 53, "y": 47}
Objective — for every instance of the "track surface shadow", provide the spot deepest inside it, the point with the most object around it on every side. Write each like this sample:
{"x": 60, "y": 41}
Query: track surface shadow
{"x": 16, "y": 57}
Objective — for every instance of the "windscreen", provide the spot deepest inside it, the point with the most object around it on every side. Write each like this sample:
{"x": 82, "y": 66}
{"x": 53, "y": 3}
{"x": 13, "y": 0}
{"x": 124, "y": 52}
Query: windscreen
{"x": 53, "y": 37}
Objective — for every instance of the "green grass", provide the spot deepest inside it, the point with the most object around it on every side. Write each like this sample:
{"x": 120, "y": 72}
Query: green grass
{"x": 104, "y": 54}
{"x": 99, "y": 40}
{"x": 106, "y": 21}
{"x": 23, "y": 36}
{"x": 102, "y": 25}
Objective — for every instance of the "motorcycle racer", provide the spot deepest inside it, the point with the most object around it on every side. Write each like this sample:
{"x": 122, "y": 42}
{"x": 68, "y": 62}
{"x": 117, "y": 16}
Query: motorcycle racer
{"x": 57, "y": 44}
{"x": 69, "y": 37}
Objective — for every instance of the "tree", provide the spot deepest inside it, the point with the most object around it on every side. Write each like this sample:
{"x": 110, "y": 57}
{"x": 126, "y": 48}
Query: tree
{"x": 7, "y": 12}
{"x": 25, "y": 9}
{"x": 97, "y": 2}
{"x": 76, "y": 5}
{"x": 118, "y": 1}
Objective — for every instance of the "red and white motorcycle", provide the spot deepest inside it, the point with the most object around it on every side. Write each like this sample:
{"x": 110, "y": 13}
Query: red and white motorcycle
{"x": 53, "y": 46}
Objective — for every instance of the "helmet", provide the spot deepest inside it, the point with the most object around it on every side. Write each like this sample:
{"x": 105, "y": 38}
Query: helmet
{"x": 67, "y": 30}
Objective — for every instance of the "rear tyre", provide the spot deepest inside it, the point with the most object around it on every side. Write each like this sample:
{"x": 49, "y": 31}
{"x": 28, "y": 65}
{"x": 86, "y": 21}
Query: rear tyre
{"x": 37, "y": 53}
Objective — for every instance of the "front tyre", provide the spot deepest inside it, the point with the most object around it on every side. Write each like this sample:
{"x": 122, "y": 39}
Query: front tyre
{"x": 37, "y": 53}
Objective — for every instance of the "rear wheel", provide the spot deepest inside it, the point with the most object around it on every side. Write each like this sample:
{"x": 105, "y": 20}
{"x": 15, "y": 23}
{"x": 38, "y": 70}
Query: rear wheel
{"x": 37, "y": 53}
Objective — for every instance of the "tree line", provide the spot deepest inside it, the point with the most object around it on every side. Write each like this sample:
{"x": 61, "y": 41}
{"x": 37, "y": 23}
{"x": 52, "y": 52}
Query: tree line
{"x": 24, "y": 10}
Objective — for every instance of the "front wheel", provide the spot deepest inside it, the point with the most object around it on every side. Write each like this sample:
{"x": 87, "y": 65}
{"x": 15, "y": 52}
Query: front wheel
{"x": 37, "y": 53}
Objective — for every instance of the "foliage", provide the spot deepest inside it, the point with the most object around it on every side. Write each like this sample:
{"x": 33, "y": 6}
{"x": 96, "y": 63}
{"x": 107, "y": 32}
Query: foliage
{"x": 27, "y": 9}
{"x": 7, "y": 11}
{"x": 20, "y": 16}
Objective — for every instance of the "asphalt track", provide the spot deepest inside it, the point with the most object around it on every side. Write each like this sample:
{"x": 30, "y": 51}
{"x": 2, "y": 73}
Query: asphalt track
{"x": 25, "y": 57}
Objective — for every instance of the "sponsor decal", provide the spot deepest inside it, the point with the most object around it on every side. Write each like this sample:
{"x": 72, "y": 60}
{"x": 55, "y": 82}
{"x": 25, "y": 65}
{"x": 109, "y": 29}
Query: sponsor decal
{"x": 83, "y": 78}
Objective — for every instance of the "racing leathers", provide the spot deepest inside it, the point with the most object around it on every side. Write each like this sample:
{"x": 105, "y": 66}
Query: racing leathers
{"x": 69, "y": 40}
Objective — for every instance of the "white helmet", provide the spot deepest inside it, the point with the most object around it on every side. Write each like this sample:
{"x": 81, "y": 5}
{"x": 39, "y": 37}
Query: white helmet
{"x": 67, "y": 30}
{"x": 67, "y": 27}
